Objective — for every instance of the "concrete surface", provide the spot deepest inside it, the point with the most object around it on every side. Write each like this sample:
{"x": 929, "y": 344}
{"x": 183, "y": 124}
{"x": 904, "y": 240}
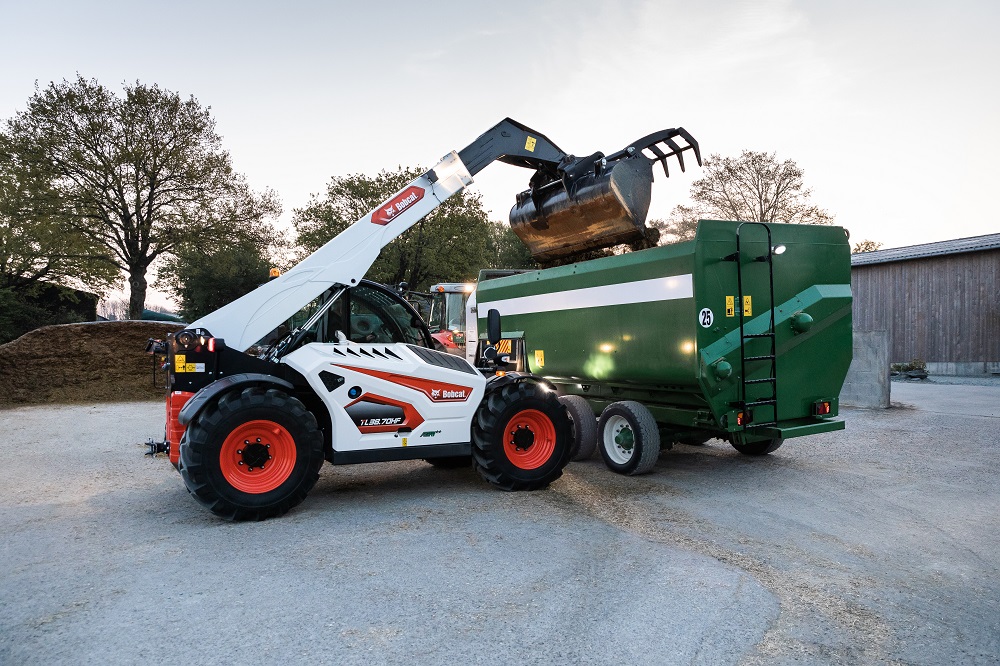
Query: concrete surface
{"x": 867, "y": 383}
{"x": 872, "y": 545}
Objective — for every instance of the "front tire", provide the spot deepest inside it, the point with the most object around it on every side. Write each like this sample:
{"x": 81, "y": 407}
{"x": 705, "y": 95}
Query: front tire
{"x": 251, "y": 455}
{"x": 629, "y": 438}
{"x": 521, "y": 437}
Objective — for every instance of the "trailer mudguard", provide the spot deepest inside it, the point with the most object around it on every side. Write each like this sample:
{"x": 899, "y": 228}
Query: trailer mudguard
{"x": 224, "y": 385}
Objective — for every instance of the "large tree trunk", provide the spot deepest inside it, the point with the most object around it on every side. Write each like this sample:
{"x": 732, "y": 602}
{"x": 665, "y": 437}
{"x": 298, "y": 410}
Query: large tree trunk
{"x": 137, "y": 291}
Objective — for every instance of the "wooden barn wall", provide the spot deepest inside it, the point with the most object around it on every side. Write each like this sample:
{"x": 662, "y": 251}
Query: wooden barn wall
{"x": 939, "y": 309}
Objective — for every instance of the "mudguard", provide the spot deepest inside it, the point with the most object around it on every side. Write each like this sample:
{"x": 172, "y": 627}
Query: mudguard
{"x": 224, "y": 385}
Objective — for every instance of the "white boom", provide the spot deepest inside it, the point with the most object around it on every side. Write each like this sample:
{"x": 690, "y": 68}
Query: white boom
{"x": 343, "y": 260}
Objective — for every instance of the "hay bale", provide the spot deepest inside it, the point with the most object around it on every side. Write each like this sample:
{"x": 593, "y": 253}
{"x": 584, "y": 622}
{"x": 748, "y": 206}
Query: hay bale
{"x": 71, "y": 363}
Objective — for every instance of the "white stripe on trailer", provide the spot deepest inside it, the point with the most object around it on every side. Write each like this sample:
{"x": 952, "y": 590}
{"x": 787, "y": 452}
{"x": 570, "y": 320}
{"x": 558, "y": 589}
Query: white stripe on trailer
{"x": 624, "y": 293}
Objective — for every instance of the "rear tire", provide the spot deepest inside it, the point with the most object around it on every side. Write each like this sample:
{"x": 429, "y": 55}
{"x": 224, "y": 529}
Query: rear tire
{"x": 584, "y": 427}
{"x": 629, "y": 438}
{"x": 761, "y": 448}
{"x": 521, "y": 437}
{"x": 251, "y": 455}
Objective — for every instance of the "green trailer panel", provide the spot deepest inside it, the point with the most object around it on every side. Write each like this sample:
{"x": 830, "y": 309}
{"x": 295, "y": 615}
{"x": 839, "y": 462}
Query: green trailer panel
{"x": 663, "y": 326}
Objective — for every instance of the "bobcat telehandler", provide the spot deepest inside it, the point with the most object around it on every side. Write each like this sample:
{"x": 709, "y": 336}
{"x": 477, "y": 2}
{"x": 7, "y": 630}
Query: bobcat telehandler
{"x": 354, "y": 380}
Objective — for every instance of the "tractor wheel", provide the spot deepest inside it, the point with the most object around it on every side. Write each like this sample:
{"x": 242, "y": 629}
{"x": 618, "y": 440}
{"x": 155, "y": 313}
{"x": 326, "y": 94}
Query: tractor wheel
{"x": 521, "y": 437}
{"x": 252, "y": 455}
{"x": 450, "y": 462}
{"x": 629, "y": 438}
{"x": 584, "y": 426}
{"x": 761, "y": 448}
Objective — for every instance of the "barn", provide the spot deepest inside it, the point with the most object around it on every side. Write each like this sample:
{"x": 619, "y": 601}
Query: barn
{"x": 937, "y": 302}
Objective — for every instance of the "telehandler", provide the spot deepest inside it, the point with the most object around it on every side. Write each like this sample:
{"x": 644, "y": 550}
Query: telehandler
{"x": 355, "y": 381}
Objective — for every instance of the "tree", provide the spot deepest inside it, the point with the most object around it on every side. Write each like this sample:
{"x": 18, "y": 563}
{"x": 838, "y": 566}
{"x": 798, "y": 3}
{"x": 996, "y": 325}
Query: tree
{"x": 36, "y": 245}
{"x": 505, "y": 249}
{"x": 865, "y": 246}
{"x": 449, "y": 245}
{"x": 204, "y": 277}
{"x": 753, "y": 187}
{"x": 137, "y": 175}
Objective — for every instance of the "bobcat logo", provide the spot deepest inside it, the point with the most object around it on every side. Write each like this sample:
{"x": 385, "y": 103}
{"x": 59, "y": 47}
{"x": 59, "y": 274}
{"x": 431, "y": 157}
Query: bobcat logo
{"x": 435, "y": 394}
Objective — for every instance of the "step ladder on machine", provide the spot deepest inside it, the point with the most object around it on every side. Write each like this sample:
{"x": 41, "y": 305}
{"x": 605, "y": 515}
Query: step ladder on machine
{"x": 765, "y": 389}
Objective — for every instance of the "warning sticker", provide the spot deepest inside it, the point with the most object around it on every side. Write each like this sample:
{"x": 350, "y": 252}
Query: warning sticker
{"x": 730, "y": 306}
{"x": 540, "y": 358}
{"x": 180, "y": 363}
{"x": 747, "y": 306}
{"x": 529, "y": 145}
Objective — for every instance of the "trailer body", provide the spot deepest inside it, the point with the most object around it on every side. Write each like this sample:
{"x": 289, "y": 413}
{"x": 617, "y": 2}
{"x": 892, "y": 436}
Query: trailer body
{"x": 742, "y": 333}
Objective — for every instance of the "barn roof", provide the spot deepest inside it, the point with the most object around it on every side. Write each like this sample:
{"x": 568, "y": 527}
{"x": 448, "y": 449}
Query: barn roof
{"x": 957, "y": 246}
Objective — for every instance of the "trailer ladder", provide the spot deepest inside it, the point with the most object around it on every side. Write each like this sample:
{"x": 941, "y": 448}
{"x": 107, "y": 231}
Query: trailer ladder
{"x": 748, "y": 405}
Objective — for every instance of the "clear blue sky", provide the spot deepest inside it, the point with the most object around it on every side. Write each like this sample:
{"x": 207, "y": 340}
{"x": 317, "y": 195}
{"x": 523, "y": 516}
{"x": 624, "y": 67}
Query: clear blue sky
{"x": 891, "y": 107}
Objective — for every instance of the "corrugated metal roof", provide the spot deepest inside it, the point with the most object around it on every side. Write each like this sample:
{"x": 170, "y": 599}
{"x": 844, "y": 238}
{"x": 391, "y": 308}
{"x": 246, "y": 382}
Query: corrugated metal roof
{"x": 957, "y": 246}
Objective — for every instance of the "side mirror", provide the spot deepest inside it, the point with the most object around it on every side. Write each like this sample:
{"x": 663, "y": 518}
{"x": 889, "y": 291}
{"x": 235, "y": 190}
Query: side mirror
{"x": 493, "y": 326}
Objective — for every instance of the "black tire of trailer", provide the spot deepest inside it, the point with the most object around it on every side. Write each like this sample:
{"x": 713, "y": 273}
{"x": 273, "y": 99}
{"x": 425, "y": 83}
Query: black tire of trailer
{"x": 629, "y": 438}
{"x": 218, "y": 469}
{"x": 584, "y": 427}
{"x": 521, "y": 436}
{"x": 760, "y": 448}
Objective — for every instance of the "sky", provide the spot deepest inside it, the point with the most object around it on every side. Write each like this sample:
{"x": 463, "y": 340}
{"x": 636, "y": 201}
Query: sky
{"x": 891, "y": 107}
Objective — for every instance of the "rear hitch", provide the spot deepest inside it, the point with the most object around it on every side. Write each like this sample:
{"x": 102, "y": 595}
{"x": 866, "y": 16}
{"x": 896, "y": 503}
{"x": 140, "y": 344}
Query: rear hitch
{"x": 156, "y": 447}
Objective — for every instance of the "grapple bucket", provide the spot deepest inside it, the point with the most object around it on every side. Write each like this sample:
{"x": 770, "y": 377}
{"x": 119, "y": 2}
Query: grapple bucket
{"x": 603, "y": 210}
{"x": 597, "y": 201}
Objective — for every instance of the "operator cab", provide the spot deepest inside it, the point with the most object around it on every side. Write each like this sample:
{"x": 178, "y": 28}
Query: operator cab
{"x": 368, "y": 312}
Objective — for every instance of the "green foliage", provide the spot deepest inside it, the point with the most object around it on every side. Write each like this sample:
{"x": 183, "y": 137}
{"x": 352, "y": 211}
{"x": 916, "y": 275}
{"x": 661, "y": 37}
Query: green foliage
{"x": 36, "y": 244}
{"x": 204, "y": 275}
{"x": 450, "y": 245}
{"x": 21, "y": 311}
{"x": 138, "y": 176}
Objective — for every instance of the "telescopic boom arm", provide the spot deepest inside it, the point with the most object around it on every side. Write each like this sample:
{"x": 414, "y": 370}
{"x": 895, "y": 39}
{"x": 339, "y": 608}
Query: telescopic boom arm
{"x": 346, "y": 258}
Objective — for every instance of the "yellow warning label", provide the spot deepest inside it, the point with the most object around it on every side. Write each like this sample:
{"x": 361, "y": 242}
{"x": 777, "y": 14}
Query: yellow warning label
{"x": 540, "y": 358}
{"x": 730, "y": 306}
{"x": 747, "y": 306}
{"x": 190, "y": 367}
{"x": 180, "y": 361}
{"x": 503, "y": 346}
{"x": 529, "y": 145}
{"x": 404, "y": 441}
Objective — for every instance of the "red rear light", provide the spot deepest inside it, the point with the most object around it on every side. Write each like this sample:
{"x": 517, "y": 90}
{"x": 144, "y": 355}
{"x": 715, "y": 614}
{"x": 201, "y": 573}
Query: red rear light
{"x": 211, "y": 344}
{"x": 821, "y": 408}
{"x": 739, "y": 419}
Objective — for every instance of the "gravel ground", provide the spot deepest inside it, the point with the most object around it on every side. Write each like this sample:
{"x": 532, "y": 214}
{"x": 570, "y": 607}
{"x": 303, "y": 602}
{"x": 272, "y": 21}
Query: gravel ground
{"x": 872, "y": 545}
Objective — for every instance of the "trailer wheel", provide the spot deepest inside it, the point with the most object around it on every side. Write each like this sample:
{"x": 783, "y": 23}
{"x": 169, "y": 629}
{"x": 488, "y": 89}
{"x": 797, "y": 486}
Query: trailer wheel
{"x": 252, "y": 454}
{"x": 584, "y": 426}
{"x": 629, "y": 438}
{"x": 761, "y": 448}
{"x": 521, "y": 437}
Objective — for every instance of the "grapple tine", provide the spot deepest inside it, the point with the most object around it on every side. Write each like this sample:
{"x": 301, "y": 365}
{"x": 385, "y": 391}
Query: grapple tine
{"x": 678, "y": 151}
{"x": 661, "y": 157}
{"x": 691, "y": 142}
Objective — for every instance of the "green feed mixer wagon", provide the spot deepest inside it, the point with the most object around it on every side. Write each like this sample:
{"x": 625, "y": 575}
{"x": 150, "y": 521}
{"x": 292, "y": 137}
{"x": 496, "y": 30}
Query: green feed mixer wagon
{"x": 743, "y": 334}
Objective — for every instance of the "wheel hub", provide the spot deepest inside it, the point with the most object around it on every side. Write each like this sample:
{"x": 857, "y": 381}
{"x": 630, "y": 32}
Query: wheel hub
{"x": 254, "y": 454}
{"x": 523, "y": 438}
{"x": 624, "y": 439}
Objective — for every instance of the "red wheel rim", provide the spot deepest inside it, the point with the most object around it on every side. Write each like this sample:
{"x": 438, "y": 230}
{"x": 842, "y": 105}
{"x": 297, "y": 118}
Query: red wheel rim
{"x": 257, "y": 456}
{"x": 529, "y": 439}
